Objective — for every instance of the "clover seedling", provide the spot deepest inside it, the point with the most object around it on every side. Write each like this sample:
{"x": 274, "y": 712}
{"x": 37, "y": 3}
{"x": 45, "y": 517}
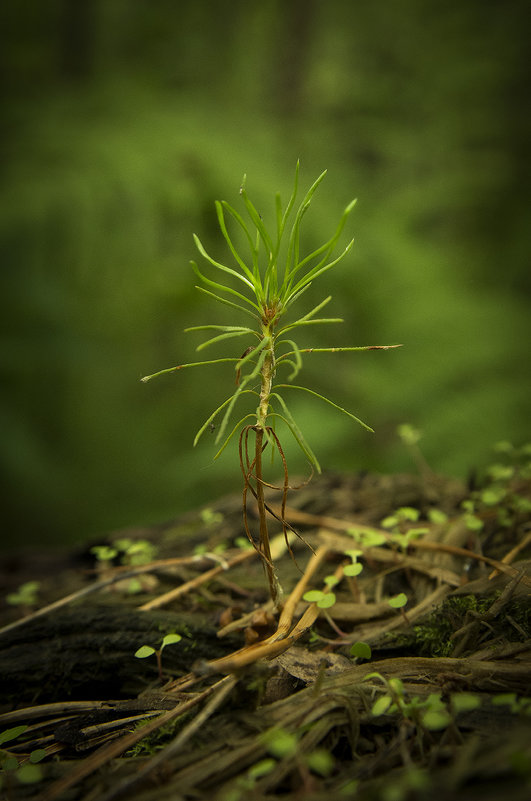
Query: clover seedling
{"x": 146, "y": 650}
{"x": 324, "y": 600}
{"x": 264, "y": 284}
{"x": 361, "y": 650}
{"x": 25, "y": 596}
{"x": 27, "y": 773}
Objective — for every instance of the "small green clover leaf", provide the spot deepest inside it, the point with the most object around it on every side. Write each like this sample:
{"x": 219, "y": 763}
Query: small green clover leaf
{"x": 323, "y": 600}
{"x": 144, "y": 651}
{"x": 170, "y": 639}
{"x": 465, "y": 702}
{"x": 437, "y": 517}
{"x": 381, "y": 705}
{"x": 361, "y": 650}
{"x": 11, "y": 734}
{"x": 280, "y": 743}
{"x": 26, "y": 595}
{"x": 398, "y": 601}
{"x": 368, "y": 539}
{"x": 353, "y": 570}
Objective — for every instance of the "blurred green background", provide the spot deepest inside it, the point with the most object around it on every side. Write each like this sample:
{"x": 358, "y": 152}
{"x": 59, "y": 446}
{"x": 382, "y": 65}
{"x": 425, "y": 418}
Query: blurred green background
{"x": 125, "y": 119}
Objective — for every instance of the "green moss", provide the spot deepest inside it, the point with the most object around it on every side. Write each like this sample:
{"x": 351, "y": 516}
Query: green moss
{"x": 433, "y": 636}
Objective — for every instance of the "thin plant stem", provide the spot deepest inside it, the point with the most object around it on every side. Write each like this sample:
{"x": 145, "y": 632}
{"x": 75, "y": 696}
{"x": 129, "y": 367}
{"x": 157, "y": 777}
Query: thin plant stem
{"x": 265, "y": 549}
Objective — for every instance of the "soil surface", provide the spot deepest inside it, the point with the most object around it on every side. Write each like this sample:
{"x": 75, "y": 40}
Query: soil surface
{"x": 406, "y": 675}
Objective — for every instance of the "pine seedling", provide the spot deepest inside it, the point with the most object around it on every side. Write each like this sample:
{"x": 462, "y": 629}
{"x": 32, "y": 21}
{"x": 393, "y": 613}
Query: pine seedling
{"x": 270, "y": 279}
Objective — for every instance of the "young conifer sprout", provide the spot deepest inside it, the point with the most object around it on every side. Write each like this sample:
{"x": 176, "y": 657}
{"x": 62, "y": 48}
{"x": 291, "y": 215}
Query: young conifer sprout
{"x": 265, "y": 285}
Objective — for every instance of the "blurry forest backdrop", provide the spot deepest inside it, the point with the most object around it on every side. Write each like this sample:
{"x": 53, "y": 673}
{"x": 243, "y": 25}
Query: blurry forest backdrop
{"x": 125, "y": 119}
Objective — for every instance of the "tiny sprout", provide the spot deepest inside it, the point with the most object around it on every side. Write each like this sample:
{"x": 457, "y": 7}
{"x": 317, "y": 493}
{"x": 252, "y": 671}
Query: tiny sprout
{"x": 500, "y": 472}
{"x": 260, "y": 769}
{"x": 408, "y": 434}
{"x": 436, "y": 716}
{"x": 104, "y": 553}
{"x": 320, "y": 761}
{"x": 280, "y": 743}
{"x": 323, "y": 600}
{"x": 211, "y": 518}
{"x": 361, "y": 650}
{"x": 437, "y": 516}
{"x": 26, "y": 595}
{"x": 493, "y": 495}
{"x": 367, "y": 539}
{"x": 136, "y": 552}
{"x": 517, "y": 704}
{"x": 146, "y": 650}
{"x": 271, "y": 274}
{"x": 473, "y": 523}
{"x": 465, "y": 702}
{"x": 28, "y": 773}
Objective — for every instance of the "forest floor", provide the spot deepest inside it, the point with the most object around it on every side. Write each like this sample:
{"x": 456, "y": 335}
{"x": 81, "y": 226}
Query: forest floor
{"x": 406, "y": 675}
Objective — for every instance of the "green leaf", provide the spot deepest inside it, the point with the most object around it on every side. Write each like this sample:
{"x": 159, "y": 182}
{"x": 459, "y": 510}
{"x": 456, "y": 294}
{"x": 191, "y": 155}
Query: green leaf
{"x": 222, "y": 287}
{"x": 398, "y": 601}
{"x": 224, "y": 231}
{"x": 353, "y": 570}
{"x": 493, "y": 495}
{"x": 389, "y": 522}
{"x": 260, "y": 769}
{"x": 221, "y": 266}
{"x": 434, "y": 720}
{"x": 327, "y": 400}
{"x": 29, "y": 774}
{"x": 473, "y": 523}
{"x": 312, "y": 596}
{"x": 236, "y": 428}
{"x": 227, "y": 302}
{"x": 297, "y": 365}
{"x": 243, "y": 383}
{"x": 320, "y": 761}
{"x": 503, "y": 699}
{"x": 220, "y": 337}
{"x": 255, "y": 217}
{"x": 408, "y": 513}
{"x": 437, "y": 516}
{"x": 147, "y": 378}
{"x": 280, "y": 743}
{"x": 331, "y": 581}
{"x": 9, "y": 763}
{"x": 144, "y": 651}
{"x": 293, "y": 246}
{"x": 206, "y": 424}
{"x": 397, "y": 686}
{"x": 368, "y": 539}
{"x": 37, "y": 756}
{"x": 295, "y": 430}
{"x": 307, "y": 316}
{"x": 12, "y": 734}
{"x": 465, "y": 702}
{"x": 381, "y": 705}
{"x": 361, "y": 650}
{"x": 170, "y": 639}
{"x": 327, "y": 601}
{"x": 315, "y": 273}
